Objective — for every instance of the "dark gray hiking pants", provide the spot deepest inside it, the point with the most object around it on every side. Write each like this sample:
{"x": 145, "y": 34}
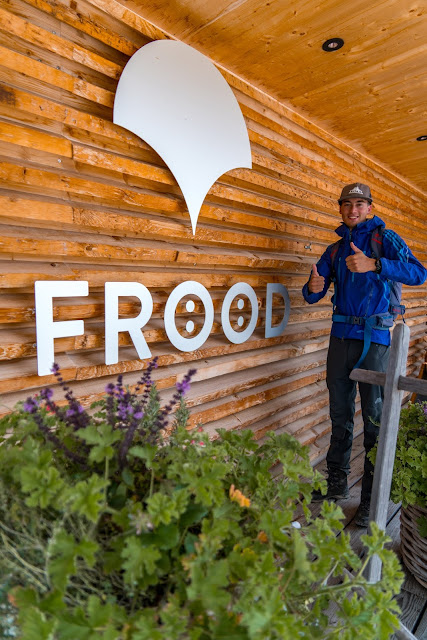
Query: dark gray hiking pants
{"x": 342, "y": 356}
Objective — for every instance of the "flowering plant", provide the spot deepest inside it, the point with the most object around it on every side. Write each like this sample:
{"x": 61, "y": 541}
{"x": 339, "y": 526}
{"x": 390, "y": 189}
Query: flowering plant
{"x": 118, "y": 525}
{"x": 409, "y": 481}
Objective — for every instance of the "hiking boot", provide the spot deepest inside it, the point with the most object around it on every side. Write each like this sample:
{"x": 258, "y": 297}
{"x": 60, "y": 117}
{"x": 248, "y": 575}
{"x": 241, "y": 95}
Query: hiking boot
{"x": 362, "y": 514}
{"x": 337, "y": 487}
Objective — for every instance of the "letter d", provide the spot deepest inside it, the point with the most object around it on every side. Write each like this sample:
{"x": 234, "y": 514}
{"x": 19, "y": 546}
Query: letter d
{"x": 275, "y": 287}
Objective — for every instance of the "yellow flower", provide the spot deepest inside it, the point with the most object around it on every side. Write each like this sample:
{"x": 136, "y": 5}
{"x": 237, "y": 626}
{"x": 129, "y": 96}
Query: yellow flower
{"x": 262, "y": 537}
{"x": 237, "y": 496}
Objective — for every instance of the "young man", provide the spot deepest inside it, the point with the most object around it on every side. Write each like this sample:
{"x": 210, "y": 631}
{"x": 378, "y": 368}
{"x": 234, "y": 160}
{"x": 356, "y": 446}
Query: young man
{"x": 360, "y": 328}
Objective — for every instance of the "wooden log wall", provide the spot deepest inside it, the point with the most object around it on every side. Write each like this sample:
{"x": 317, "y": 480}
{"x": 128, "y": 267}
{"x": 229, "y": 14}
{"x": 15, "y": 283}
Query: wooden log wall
{"x": 83, "y": 199}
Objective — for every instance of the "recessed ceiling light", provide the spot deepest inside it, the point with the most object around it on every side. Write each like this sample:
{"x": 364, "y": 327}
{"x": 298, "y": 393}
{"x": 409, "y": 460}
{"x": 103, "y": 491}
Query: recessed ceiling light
{"x": 421, "y": 138}
{"x": 333, "y": 44}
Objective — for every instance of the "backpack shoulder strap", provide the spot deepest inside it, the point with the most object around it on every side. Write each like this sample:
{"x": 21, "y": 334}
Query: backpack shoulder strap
{"x": 377, "y": 242}
{"x": 395, "y": 308}
{"x": 334, "y": 251}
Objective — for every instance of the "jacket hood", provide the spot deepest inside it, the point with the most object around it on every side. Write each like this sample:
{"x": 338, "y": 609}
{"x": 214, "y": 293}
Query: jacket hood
{"x": 368, "y": 226}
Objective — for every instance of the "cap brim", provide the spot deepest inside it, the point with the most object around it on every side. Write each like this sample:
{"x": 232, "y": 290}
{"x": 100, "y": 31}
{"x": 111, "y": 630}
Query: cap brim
{"x": 358, "y": 197}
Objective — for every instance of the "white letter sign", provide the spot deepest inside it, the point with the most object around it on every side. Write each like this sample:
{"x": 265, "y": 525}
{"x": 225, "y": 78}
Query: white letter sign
{"x": 46, "y": 328}
{"x": 270, "y": 331}
{"x": 185, "y": 289}
{"x": 240, "y": 288}
{"x": 114, "y": 324}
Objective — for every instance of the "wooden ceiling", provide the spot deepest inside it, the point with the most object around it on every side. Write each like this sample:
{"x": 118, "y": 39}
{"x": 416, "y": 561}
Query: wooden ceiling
{"x": 371, "y": 93}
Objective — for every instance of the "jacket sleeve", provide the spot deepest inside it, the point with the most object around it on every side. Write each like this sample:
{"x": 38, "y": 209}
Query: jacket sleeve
{"x": 399, "y": 263}
{"x": 324, "y": 268}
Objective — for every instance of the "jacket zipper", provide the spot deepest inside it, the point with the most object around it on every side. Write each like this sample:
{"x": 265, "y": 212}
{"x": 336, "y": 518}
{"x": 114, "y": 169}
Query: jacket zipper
{"x": 352, "y": 275}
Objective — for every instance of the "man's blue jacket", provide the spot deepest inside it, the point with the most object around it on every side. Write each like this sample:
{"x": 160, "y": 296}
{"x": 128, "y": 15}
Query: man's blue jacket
{"x": 365, "y": 294}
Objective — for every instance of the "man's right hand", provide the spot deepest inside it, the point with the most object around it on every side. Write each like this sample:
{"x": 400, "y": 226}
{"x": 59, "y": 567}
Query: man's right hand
{"x": 316, "y": 282}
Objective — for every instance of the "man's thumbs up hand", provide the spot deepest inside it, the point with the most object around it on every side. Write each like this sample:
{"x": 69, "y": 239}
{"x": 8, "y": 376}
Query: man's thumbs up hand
{"x": 355, "y": 249}
{"x": 358, "y": 262}
{"x": 316, "y": 282}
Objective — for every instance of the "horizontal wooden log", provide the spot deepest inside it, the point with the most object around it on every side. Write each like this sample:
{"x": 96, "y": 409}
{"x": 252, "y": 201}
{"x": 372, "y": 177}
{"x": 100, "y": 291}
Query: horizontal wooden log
{"x": 27, "y": 137}
{"x": 105, "y": 249}
{"x": 313, "y": 336}
{"x": 44, "y": 73}
{"x": 414, "y": 385}
{"x": 217, "y": 345}
{"x": 11, "y": 96}
{"x": 17, "y": 210}
{"x": 19, "y": 308}
{"x": 276, "y": 187}
{"x": 21, "y": 343}
{"x": 21, "y": 276}
{"x": 95, "y": 24}
{"x": 371, "y": 377}
{"x": 404, "y": 383}
{"x": 130, "y": 18}
{"x": 214, "y": 393}
{"x": 13, "y": 24}
{"x": 249, "y": 410}
{"x": 317, "y": 421}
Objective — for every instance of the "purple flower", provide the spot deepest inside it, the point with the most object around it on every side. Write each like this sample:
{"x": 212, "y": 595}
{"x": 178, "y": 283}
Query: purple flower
{"x": 124, "y": 410}
{"x": 122, "y": 413}
{"x": 55, "y": 368}
{"x": 75, "y": 410}
{"x": 110, "y": 388}
{"x": 138, "y": 415}
{"x": 30, "y": 405}
{"x": 183, "y": 386}
{"x": 46, "y": 394}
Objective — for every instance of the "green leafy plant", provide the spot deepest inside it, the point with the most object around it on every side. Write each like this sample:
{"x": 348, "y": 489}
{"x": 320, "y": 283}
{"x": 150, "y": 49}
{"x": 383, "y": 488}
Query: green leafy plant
{"x": 118, "y": 525}
{"x": 409, "y": 482}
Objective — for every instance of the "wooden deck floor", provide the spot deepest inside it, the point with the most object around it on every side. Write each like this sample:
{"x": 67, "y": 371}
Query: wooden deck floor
{"x": 413, "y": 597}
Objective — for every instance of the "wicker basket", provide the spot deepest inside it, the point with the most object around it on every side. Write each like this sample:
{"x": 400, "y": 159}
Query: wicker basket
{"x": 413, "y": 546}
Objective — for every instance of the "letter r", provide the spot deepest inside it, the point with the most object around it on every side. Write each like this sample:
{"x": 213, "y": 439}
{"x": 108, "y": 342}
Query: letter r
{"x": 114, "y": 324}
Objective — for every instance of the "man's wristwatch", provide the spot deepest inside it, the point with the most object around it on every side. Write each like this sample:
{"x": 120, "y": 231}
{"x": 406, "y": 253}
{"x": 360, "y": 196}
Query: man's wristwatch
{"x": 378, "y": 265}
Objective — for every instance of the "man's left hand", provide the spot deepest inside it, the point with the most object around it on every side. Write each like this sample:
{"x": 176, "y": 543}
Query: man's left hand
{"x": 359, "y": 263}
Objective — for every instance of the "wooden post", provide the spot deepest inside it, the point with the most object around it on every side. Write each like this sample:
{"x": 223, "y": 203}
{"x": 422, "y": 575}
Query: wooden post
{"x": 388, "y": 431}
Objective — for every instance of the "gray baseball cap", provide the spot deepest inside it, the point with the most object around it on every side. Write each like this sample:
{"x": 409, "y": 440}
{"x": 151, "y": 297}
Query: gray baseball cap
{"x": 356, "y": 190}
